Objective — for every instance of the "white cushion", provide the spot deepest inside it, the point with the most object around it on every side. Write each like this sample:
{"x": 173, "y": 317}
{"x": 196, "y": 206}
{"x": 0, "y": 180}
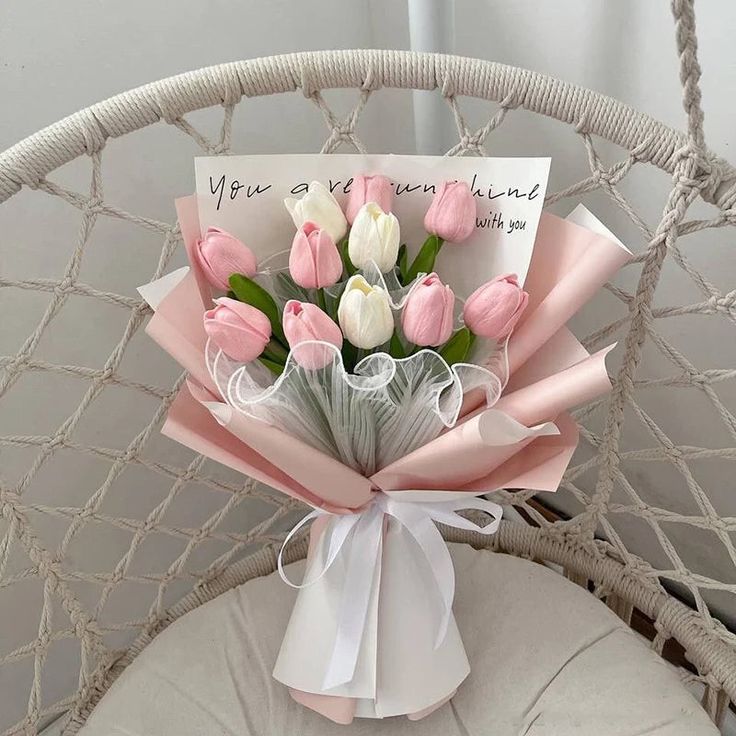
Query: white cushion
{"x": 546, "y": 657}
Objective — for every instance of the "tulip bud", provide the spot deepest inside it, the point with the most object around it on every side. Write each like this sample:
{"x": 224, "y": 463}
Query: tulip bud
{"x": 305, "y": 322}
{"x": 314, "y": 261}
{"x": 320, "y": 207}
{"x": 374, "y": 237}
{"x": 428, "y": 313}
{"x": 220, "y": 255}
{"x": 494, "y": 308}
{"x": 238, "y": 329}
{"x": 451, "y": 216}
{"x": 365, "y": 314}
{"x": 366, "y": 189}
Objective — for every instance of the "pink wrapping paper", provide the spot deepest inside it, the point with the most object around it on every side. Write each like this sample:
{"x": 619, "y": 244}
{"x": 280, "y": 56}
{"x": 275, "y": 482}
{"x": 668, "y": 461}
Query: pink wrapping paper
{"x": 538, "y": 465}
{"x": 557, "y": 393}
{"x": 188, "y": 216}
{"x": 191, "y": 424}
{"x": 469, "y": 451}
{"x": 177, "y": 327}
{"x": 336, "y": 483}
{"x": 525, "y": 441}
{"x": 569, "y": 265}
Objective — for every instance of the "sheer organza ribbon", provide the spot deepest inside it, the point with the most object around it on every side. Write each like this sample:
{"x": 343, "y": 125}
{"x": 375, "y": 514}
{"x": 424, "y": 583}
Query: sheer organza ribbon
{"x": 360, "y": 535}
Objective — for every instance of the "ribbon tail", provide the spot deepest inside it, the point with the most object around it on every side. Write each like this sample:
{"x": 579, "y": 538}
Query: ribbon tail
{"x": 280, "y": 559}
{"x": 446, "y": 513}
{"x": 363, "y": 559}
{"x": 417, "y": 520}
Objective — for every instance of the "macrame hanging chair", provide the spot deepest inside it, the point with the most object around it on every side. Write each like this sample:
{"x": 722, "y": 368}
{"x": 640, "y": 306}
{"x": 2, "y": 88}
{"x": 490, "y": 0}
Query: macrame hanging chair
{"x": 87, "y": 663}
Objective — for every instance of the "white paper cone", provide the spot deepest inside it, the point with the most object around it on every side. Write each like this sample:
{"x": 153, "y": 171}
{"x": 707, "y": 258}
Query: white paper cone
{"x": 399, "y": 671}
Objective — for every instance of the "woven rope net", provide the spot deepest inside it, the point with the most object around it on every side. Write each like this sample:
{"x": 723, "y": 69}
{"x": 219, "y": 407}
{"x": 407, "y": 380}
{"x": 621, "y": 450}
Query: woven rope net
{"x": 78, "y": 608}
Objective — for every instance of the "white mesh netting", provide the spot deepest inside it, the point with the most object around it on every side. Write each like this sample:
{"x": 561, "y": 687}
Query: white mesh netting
{"x": 105, "y": 524}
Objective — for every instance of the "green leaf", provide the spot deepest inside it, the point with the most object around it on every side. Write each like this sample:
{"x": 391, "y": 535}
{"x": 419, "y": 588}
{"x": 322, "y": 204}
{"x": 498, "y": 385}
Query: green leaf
{"x": 455, "y": 350}
{"x": 231, "y": 295}
{"x": 276, "y": 368}
{"x": 248, "y": 291}
{"x": 347, "y": 264}
{"x": 403, "y": 263}
{"x": 424, "y": 262}
{"x": 395, "y": 348}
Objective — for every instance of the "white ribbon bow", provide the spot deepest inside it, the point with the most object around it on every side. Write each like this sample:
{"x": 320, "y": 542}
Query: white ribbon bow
{"x": 418, "y": 517}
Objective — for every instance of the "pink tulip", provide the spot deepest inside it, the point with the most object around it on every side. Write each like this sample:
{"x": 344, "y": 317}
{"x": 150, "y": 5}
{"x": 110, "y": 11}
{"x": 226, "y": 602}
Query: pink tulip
{"x": 428, "y": 316}
{"x": 314, "y": 261}
{"x": 494, "y": 308}
{"x": 451, "y": 216}
{"x": 366, "y": 189}
{"x": 305, "y": 322}
{"x": 239, "y": 330}
{"x": 220, "y": 255}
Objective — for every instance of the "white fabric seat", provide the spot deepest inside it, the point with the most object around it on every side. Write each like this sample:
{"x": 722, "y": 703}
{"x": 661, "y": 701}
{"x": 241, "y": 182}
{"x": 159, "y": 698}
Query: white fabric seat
{"x": 546, "y": 657}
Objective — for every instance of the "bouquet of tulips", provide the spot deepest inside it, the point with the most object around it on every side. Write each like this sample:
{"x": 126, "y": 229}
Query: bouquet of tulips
{"x": 343, "y": 371}
{"x": 328, "y": 324}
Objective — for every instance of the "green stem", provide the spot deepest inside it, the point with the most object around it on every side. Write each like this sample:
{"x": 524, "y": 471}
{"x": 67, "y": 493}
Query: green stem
{"x": 395, "y": 348}
{"x": 349, "y": 355}
{"x": 276, "y": 352}
{"x": 275, "y": 368}
{"x": 424, "y": 262}
{"x": 348, "y": 267}
{"x": 321, "y": 303}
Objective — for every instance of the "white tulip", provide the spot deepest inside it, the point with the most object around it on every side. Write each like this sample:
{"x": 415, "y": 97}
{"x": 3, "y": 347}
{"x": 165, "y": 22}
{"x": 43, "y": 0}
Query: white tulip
{"x": 320, "y": 207}
{"x": 365, "y": 314}
{"x": 374, "y": 237}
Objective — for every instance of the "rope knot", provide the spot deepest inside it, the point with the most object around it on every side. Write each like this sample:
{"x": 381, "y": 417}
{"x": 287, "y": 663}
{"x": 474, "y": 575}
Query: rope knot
{"x": 725, "y": 303}
{"x": 471, "y": 142}
{"x": 189, "y": 475}
{"x": 675, "y": 453}
{"x": 55, "y": 442}
{"x": 148, "y": 526}
{"x": 129, "y": 455}
{"x": 344, "y": 131}
{"x": 695, "y": 169}
{"x": 601, "y": 177}
{"x": 93, "y": 205}
{"x": 11, "y": 498}
{"x": 65, "y": 286}
{"x": 597, "y": 506}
